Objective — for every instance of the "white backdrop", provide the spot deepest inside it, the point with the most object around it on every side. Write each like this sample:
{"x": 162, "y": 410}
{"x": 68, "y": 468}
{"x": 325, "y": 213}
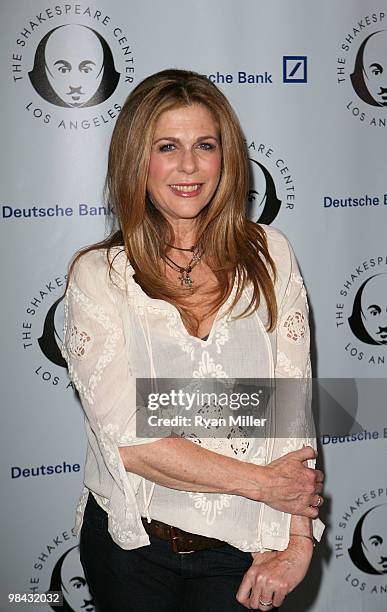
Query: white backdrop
{"x": 317, "y": 141}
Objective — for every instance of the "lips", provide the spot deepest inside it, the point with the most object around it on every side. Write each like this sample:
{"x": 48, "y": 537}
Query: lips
{"x": 186, "y": 190}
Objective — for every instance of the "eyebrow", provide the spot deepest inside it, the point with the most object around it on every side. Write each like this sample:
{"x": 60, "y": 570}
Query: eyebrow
{"x": 172, "y": 139}
{"x": 63, "y": 62}
{"x": 377, "y": 537}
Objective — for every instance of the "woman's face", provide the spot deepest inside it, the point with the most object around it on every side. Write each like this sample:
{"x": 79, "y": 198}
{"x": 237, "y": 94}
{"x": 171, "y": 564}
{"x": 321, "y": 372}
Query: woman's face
{"x": 185, "y": 162}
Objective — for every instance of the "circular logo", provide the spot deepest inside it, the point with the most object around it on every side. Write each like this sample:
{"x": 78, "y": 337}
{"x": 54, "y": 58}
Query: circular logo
{"x": 41, "y": 333}
{"x": 361, "y": 542}
{"x": 272, "y": 188}
{"x": 361, "y": 312}
{"x": 362, "y": 69}
{"x": 72, "y": 66}
{"x": 58, "y": 568}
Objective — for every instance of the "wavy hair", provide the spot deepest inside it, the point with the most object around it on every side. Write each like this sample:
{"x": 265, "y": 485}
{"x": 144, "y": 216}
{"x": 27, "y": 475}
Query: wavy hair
{"x": 233, "y": 243}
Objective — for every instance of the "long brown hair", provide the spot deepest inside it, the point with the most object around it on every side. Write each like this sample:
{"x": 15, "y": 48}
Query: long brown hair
{"x": 232, "y": 242}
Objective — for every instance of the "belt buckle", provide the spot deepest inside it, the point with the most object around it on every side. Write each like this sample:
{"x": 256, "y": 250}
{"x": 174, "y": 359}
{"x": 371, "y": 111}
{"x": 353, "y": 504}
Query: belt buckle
{"x": 174, "y": 539}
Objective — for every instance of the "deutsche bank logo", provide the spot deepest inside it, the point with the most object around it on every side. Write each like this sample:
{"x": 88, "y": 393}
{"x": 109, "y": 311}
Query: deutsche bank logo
{"x": 295, "y": 69}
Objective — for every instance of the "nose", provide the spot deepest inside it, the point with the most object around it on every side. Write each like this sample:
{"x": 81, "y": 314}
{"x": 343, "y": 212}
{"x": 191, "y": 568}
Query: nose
{"x": 188, "y": 161}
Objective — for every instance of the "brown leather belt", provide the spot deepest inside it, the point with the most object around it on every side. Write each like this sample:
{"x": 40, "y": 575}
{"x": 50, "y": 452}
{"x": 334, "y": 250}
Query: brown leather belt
{"x": 180, "y": 541}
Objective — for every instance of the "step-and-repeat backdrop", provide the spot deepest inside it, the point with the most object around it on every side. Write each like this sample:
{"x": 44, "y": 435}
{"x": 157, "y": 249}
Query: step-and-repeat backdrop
{"x": 309, "y": 83}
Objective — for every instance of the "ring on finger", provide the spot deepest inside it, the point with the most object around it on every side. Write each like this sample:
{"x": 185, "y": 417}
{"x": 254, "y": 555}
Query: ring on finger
{"x": 318, "y": 504}
{"x": 265, "y": 603}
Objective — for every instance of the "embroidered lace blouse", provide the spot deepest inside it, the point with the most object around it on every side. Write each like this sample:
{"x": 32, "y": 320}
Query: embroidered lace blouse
{"x": 114, "y": 332}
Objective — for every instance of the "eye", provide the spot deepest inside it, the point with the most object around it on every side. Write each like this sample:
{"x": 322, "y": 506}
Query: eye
{"x": 376, "y": 69}
{"x": 207, "y": 146}
{"x": 63, "y": 66}
{"x": 252, "y": 195}
{"x": 374, "y": 310}
{"x": 77, "y": 582}
{"x": 376, "y": 541}
{"x": 86, "y": 66}
{"x": 166, "y": 148}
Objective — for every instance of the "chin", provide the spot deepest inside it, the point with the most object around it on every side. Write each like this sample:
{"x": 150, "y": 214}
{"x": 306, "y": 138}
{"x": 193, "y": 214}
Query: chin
{"x": 185, "y": 212}
{"x": 188, "y": 216}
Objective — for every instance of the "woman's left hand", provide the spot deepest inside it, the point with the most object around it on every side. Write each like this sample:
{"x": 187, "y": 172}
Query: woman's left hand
{"x": 273, "y": 575}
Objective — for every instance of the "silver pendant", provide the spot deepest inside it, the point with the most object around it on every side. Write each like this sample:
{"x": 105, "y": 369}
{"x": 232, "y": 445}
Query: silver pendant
{"x": 186, "y": 280}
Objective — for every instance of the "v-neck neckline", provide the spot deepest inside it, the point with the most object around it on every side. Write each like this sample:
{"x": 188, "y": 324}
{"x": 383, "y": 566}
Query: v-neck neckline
{"x": 168, "y": 306}
{"x": 208, "y": 338}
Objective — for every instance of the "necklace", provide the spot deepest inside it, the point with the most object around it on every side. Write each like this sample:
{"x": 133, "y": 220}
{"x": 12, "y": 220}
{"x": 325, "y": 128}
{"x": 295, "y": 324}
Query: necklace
{"x": 192, "y": 248}
{"x": 185, "y": 272}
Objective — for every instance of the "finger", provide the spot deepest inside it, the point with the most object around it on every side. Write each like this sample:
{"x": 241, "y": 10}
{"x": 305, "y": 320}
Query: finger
{"x": 307, "y": 452}
{"x": 279, "y": 596}
{"x": 316, "y": 475}
{"x": 309, "y": 512}
{"x": 265, "y": 599}
{"x": 319, "y": 475}
{"x": 243, "y": 593}
{"x": 318, "y": 501}
{"x": 255, "y": 602}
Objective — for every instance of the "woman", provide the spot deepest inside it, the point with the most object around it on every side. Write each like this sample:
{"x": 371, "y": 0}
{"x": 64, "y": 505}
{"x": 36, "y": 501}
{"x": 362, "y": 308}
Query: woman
{"x": 188, "y": 288}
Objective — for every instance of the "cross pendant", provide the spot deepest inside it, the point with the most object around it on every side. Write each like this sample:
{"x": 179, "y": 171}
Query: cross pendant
{"x": 186, "y": 280}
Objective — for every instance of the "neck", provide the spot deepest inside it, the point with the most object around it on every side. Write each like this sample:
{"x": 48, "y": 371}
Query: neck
{"x": 185, "y": 233}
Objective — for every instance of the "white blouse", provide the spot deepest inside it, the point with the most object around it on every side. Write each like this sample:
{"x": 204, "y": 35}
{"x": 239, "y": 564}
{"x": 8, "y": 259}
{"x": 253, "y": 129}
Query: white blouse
{"x": 114, "y": 332}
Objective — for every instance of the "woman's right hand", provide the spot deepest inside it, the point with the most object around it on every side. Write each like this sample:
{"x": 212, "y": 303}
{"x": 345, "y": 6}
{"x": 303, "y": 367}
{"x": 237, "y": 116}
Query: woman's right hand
{"x": 290, "y": 486}
{"x": 286, "y": 484}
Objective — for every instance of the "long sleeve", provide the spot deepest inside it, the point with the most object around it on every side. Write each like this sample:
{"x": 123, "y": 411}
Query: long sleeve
{"x": 97, "y": 357}
{"x": 293, "y": 425}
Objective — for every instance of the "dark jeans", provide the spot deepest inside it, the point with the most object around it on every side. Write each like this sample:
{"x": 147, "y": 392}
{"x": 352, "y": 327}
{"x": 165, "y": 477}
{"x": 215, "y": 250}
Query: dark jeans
{"x": 155, "y": 579}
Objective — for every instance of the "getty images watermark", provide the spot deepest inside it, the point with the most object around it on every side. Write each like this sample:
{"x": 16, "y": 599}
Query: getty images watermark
{"x": 201, "y": 405}
{"x": 330, "y": 409}
{"x": 220, "y": 408}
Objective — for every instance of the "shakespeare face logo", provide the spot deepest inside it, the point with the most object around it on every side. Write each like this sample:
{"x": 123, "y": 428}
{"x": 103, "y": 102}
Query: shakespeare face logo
{"x": 72, "y": 67}
{"x": 369, "y": 78}
{"x": 263, "y": 203}
{"x": 68, "y": 578}
{"x": 361, "y": 543}
{"x": 42, "y": 333}
{"x": 272, "y": 189}
{"x": 362, "y": 69}
{"x": 368, "y": 320}
{"x": 361, "y": 312}
{"x": 369, "y": 546}
{"x": 57, "y": 567}
{"x": 51, "y": 339}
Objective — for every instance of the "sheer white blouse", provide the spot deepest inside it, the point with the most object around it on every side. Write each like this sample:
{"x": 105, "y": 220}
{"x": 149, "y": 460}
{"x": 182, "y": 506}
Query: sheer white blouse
{"x": 114, "y": 333}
